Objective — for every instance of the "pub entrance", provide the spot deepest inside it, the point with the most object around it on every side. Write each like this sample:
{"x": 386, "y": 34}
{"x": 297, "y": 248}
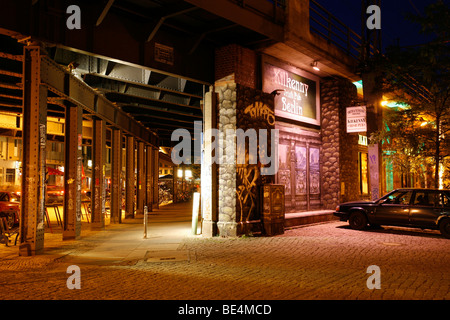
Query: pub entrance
{"x": 299, "y": 167}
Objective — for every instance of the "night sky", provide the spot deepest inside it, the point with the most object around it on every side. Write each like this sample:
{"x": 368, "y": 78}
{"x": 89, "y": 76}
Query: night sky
{"x": 394, "y": 26}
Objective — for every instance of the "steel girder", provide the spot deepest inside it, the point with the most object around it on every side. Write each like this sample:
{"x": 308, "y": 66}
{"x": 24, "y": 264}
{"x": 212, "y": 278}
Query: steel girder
{"x": 72, "y": 172}
{"x": 33, "y": 165}
{"x": 62, "y": 83}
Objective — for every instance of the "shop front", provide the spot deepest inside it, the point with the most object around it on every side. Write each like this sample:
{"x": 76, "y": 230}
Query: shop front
{"x": 297, "y": 114}
{"x": 318, "y": 163}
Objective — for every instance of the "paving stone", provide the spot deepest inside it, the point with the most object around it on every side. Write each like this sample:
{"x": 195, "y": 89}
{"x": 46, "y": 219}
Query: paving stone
{"x": 325, "y": 261}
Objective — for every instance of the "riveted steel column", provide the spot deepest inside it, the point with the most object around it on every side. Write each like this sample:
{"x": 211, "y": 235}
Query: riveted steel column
{"x": 130, "y": 179}
{"x": 175, "y": 184}
{"x": 140, "y": 182}
{"x": 116, "y": 176}
{"x": 34, "y": 137}
{"x": 155, "y": 178}
{"x": 98, "y": 189}
{"x": 149, "y": 177}
{"x": 72, "y": 172}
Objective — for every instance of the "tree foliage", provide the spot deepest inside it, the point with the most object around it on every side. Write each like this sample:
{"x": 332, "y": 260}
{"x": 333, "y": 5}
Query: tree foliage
{"x": 417, "y": 78}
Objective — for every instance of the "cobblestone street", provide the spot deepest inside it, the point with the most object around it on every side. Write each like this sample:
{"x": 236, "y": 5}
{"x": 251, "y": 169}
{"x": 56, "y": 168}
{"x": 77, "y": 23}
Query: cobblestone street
{"x": 324, "y": 261}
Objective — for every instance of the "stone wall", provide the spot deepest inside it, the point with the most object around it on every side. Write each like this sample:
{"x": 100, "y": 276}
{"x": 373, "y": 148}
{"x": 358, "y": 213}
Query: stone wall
{"x": 226, "y": 120}
{"x": 240, "y": 107}
{"x": 329, "y": 91}
{"x": 254, "y": 110}
{"x": 340, "y": 181}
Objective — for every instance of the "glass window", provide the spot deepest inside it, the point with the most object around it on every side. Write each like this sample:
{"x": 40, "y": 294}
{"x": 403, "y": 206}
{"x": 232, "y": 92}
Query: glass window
{"x": 399, "y": 197}
{"x": 10, "y": 175}
{"x": 445, "y": 200}
{"x": 434, "y": 199}
{"x": 427, "y": 198}
{"x": 421, "y": 199}
{"x": 363, "y": 173}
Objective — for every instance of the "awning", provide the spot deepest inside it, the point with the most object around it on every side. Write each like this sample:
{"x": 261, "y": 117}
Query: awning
{"x": 54, "y": 172}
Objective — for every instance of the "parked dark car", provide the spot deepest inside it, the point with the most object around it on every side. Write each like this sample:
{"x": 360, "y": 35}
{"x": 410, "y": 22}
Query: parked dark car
{"x": 10, "y": 207}
{"x": 418, "y": 208}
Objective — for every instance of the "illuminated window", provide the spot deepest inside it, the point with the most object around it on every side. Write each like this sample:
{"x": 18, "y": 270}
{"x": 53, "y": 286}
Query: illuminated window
{"x": 363, "y": 173}
{"x": 10, "y": 175}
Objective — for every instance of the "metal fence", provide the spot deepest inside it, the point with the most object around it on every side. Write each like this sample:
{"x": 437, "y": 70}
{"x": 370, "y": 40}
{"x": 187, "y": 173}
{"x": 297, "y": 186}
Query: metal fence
{"x": 323, "y": 23}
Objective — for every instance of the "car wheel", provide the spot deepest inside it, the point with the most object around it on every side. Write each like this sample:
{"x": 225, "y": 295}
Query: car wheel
{"x": 444, "y": 227}
{"x": 358, "y": 220}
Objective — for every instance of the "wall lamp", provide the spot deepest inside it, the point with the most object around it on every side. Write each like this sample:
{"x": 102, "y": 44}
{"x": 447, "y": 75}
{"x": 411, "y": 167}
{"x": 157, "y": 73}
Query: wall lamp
{"x": 314, "y": 65}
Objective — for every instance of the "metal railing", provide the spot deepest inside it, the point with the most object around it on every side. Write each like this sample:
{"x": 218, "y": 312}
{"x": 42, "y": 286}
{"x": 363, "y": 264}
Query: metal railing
{"x": 272, "y": 10}
{"x": 323, "y": 23}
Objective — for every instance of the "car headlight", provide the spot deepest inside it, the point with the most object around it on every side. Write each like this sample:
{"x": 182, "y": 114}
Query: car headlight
{"x": 337, "y": 208}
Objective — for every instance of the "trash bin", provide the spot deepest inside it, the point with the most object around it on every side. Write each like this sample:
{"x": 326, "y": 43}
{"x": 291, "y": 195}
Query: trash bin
{"x": 273, "y": 209}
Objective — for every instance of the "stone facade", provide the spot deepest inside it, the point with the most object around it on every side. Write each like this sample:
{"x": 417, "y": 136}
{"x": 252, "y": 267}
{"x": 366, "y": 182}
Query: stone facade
{"x": 330, "y": 143}
{"x": 255, "y": 110}
{"x": 241, "y": 106}
{"x": 340, "y": 181}
{"x": 226, "y": 120}
{"x": 238, "y": 107}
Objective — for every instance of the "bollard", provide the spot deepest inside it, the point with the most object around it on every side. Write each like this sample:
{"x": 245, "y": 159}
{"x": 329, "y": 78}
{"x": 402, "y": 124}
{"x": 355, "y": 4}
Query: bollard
{"x": 195, "y": 207}
{"x": 145, "y": 221}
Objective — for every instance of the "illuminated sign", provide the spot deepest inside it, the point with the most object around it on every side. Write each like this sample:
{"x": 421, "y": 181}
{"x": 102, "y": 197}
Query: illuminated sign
{"x": 362, "y": 140}
{"x": 356, "y": 119}
{"x": 297, "y": 93}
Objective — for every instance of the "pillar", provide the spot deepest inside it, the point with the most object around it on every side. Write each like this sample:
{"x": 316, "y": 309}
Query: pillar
{"x": 175, "y": 184}
{"x": 149, "y": 177}
{"x": 98, "y": 189}
{"x": 209, "y": 170}
{"x": 373, "y": 98}
{"x": 140, "y": 179}
{"x": 34, "y": 137}
{"x": 155, "y": 178}
{"x": 130, "y": 179}
{"x": 116, "y": 176}
{"x": 340, "y": 149}
{"x": 72, "y": 172}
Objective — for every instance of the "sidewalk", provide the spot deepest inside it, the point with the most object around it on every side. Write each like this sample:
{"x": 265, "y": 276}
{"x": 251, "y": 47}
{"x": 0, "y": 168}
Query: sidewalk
{"x": 167, "y": 227}
{"x": 119, "y": 243}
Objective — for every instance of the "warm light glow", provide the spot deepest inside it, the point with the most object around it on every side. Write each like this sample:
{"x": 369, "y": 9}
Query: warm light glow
{"x": 384, "y": 103}
{"x": 441, "y": 176}
{"x": 315, "y": 66}
{"x": 188, "y": 174}
{"x": 423, "y": 124}
{"x": 180, "y": 173}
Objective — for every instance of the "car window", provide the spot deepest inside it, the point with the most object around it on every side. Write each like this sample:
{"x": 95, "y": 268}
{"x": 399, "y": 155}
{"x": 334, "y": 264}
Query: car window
{"x": 399, "y": 197}
{"x": 427, "y": 198}
{"x": 435, "y": 199}
{"x": 445, "y": 200}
